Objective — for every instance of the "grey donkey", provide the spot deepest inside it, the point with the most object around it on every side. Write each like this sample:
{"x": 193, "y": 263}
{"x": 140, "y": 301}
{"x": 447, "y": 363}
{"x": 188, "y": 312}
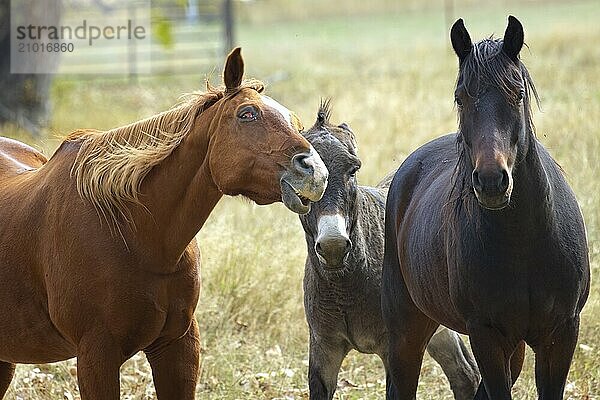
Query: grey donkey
{"x": 345, "y": 238}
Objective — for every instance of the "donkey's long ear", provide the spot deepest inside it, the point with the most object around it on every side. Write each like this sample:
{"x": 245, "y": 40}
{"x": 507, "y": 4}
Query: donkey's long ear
{"x": 324, "y": 112}
{"x": 461, "y": 41}
{"x": 513, "y": 38}
{"x": 234, "y": 70}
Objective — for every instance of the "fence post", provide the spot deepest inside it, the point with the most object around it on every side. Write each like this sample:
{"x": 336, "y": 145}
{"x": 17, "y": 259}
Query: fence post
{"x": 228, "y": 20}
{"x": 131, "y": 45}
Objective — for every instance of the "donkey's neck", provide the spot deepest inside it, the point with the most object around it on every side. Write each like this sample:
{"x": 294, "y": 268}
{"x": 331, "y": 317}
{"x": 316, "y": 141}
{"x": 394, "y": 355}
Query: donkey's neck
{"x": 178, "y": 196}
{"x": 367, "y": 231}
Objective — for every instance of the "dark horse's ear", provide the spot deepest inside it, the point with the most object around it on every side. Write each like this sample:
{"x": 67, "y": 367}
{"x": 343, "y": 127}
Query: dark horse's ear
{"x": 234, "y": 70}
{"x": 513, "y": 38}
{"x": 461, "y": 41}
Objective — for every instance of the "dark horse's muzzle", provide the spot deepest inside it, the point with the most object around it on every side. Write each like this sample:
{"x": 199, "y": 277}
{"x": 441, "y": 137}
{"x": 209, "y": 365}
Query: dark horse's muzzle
{"x": 492, "y": 186}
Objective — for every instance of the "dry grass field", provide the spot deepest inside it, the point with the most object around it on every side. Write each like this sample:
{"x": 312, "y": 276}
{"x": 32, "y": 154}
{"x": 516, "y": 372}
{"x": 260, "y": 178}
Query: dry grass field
{"x": 391, "y": 77}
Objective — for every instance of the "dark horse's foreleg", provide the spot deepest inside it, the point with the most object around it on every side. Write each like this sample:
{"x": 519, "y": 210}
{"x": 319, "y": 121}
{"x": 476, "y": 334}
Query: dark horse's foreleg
{"x": 516, "y": 365}
{"x": 7, "y": 371}
{"x": 553, "y": 359}
{"x": 176, "y": 365}
{"x": 493, "y": 352}
{"x": 406, "y": 346}
{"x": 325, "y": 360}
{"x": 409, "y": 332}
{"x": 447, "y": 349}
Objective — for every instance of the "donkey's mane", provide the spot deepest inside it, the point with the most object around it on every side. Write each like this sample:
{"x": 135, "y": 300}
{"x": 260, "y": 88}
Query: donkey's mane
{"x": 111, "y": 165}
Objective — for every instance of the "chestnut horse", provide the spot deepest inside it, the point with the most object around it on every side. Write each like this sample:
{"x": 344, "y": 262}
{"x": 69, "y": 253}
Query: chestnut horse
{"x": 97, "y": 252}
{"x": 484, "y": 235}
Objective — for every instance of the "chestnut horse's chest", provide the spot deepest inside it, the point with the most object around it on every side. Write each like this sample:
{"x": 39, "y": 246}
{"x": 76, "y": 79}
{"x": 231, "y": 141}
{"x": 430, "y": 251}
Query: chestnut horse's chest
{"x": 139, "y": 307}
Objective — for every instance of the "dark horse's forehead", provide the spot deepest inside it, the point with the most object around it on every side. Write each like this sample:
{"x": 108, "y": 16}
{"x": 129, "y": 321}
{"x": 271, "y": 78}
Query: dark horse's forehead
{"x": 488, "y": 66}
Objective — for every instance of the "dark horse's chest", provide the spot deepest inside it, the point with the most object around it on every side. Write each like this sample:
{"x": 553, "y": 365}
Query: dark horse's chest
{"x": 524, "y": 268}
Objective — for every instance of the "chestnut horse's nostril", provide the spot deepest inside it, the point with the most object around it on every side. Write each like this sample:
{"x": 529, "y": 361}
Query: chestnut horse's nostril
{"x": 303, "y": 163}
{"x": 319, "y": 249}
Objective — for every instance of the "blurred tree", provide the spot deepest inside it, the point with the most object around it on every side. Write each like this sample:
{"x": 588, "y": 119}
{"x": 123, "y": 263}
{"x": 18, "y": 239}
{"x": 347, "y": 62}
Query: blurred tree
{"x": 24, "y": 98}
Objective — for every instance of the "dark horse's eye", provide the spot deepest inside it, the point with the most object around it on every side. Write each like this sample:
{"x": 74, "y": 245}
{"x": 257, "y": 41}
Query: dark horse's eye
{"x": 521, "y": 95}
{"x": 248, "y": 113}
{"x": 353, "y": 171}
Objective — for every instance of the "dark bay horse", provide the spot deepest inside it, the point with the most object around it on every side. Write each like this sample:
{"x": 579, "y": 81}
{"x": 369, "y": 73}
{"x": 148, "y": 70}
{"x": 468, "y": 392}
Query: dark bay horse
{"x": 342, "y": 278}
{"x": 97, "y": 252}
{"x": 484, "y": 235}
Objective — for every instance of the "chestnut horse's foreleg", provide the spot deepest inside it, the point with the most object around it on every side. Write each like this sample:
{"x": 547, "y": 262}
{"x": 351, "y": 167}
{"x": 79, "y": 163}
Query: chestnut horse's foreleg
{"x": 7, "y": 371}
{"x": 553, "y": 359}
{"x": 176, "y": 365}
{"x": 447, "y": 349}
{"x": 98, "y": 363}
{"x": 493, "y": 352}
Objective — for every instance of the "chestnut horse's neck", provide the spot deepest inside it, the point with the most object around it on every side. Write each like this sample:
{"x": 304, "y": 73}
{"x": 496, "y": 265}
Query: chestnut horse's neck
{"x": 177, "y": 197}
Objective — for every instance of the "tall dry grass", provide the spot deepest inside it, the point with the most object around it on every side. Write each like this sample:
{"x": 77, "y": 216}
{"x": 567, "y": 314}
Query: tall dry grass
{"x": 391, "y": 78}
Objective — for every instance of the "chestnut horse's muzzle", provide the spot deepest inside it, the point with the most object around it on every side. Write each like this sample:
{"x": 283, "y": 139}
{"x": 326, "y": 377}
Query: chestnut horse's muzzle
{"x": 304, "y": 181}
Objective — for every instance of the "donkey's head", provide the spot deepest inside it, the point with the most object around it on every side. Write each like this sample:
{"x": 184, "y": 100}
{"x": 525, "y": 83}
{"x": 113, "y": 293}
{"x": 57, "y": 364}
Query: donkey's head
{"x": 330, "y": 220}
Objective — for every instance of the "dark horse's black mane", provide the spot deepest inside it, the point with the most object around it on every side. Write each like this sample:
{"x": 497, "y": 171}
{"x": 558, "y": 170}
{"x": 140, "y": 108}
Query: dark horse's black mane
{"x": 487, "y": 65}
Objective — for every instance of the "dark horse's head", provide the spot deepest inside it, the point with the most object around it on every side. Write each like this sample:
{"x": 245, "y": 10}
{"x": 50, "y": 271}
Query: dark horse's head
{"x": 493, "y": 100}
{"x": 330, "y": 220}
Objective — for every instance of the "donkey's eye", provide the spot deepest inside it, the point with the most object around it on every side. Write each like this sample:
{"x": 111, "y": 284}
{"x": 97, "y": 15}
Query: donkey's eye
{"x": 458, "y": 101}
{"x": 248, "y": 113}
{"x": 352, "y": 172}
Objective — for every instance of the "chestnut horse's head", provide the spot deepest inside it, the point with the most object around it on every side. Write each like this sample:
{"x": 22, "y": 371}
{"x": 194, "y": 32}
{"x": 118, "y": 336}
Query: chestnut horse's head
{"x": 493, "y": 99}
{"x": 256, "y": 149}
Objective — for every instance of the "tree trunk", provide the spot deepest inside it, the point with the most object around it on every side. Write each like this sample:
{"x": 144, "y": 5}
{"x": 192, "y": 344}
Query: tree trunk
{"x": 24, "y": 98}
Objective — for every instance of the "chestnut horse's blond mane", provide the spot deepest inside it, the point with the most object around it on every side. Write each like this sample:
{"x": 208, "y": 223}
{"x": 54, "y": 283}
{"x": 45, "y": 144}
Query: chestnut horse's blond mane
{"x": 111, "y": 165}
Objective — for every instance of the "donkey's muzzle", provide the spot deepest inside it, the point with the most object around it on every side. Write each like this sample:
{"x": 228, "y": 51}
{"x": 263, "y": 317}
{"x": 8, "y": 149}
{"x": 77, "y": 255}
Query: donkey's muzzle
{"x": 492, "y": 187}
{"x": 332, "y": 244}
{"x": 304, "y": 181}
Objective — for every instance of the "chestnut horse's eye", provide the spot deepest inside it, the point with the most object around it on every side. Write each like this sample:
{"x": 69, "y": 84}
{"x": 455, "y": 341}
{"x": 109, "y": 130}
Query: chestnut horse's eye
{"x": 248, "y": 113}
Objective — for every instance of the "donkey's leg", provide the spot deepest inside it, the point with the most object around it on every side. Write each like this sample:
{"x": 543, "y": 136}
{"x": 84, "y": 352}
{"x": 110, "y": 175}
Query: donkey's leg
{"x": 447, "y": 348}
{"x": 324, "y": 362}
{"x": 176, "y": 365}
{"x": 7, "y": 371}
{"x": 493, "y": 353}
{"x": 553, "y": 360}
{"x": 98, "y": 363}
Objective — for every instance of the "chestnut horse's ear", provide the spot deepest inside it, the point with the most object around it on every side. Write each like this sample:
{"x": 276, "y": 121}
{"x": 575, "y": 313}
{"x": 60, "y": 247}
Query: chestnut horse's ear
{"x": 461, "y": 41}
{"x": 234, "y": 70}
{"x": 513, "y": 38}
